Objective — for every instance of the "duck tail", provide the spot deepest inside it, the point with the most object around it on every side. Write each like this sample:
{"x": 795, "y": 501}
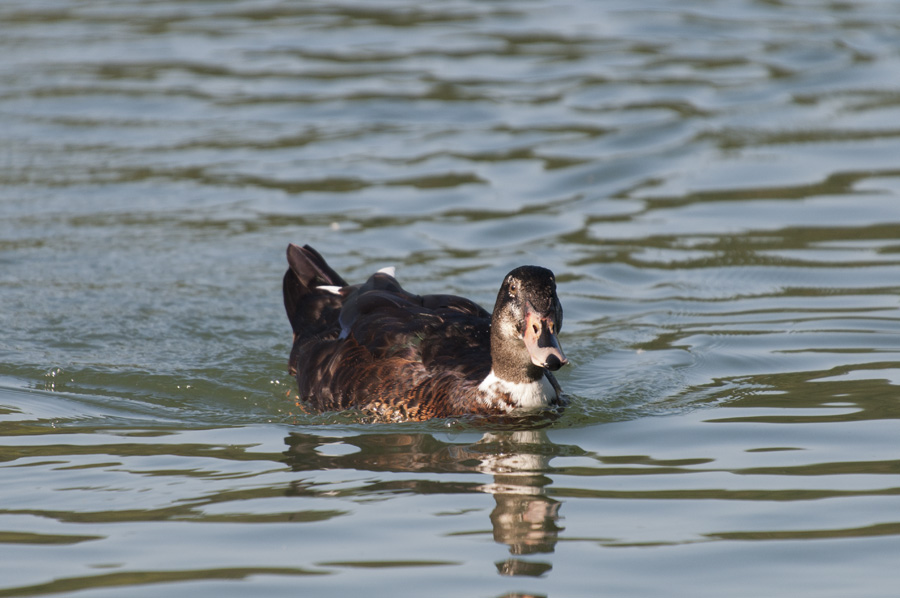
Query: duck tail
{"x": 311, "y": 310}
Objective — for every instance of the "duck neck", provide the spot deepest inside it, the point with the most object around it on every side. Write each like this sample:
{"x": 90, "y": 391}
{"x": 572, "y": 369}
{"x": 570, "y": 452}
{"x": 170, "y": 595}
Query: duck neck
{"x": 511, "y": 362}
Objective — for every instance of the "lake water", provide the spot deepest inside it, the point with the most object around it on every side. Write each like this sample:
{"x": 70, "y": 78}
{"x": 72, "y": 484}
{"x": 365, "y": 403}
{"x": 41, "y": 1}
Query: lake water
{"x": 716, "y": 184}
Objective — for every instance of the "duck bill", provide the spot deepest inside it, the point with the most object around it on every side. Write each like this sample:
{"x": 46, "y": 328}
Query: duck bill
{"x": 541, "y": 342}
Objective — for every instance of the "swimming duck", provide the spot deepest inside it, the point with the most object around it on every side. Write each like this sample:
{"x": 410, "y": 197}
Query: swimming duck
{"x": 398, "y": 356}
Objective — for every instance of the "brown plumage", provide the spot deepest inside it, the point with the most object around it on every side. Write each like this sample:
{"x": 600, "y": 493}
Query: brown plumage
{"x": 398, "y": 356}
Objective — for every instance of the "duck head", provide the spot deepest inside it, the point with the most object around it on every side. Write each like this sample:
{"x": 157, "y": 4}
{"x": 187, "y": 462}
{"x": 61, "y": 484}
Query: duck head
{"x": 527, "y": 317}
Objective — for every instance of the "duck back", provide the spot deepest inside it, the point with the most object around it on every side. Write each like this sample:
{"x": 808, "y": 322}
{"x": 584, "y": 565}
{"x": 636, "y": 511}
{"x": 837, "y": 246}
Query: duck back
{"x": 379, "y": 348}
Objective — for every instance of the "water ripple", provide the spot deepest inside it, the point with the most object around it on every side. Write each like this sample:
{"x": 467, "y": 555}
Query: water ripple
{"x": 715, "y": 184}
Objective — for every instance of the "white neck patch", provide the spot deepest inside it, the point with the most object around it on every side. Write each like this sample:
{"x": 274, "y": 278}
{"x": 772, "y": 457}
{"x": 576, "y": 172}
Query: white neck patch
{"x": 517, "y": 395}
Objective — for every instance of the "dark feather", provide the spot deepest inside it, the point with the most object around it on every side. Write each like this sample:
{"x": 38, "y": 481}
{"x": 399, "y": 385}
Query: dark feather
{"x": 311, "y": 311}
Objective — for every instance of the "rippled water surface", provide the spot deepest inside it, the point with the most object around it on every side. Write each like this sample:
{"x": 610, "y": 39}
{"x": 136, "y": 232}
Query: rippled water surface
{"x": 716, "y": 184}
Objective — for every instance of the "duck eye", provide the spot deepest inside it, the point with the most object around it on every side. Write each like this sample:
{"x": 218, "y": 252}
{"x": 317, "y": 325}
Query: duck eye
{"x": 513, "y": 289}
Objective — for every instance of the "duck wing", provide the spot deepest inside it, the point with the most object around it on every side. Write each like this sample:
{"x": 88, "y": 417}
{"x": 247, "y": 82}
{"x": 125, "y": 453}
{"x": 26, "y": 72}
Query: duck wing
{"x": 438, "y": 331}
{"x": 398, "y": 351}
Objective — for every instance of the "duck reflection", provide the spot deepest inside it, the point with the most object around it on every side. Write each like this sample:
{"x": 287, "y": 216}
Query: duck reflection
{"x": 524, "y": 518}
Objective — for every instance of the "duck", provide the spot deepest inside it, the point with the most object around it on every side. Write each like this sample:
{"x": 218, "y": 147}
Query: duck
{"x": 396, "y": 356}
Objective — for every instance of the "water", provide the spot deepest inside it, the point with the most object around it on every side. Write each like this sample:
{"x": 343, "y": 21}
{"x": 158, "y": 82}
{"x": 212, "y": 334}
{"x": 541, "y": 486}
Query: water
{"x": 716, "y": 184}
